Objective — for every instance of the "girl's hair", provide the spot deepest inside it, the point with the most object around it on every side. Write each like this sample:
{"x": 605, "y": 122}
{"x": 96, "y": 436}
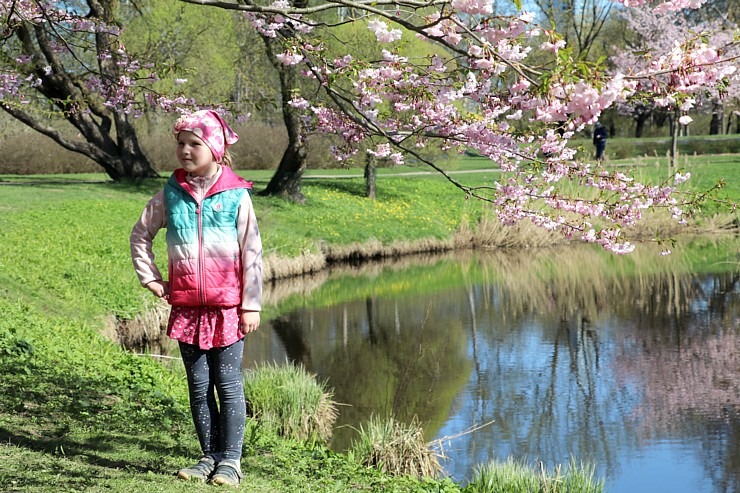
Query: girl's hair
{"x": 227, "y": 160}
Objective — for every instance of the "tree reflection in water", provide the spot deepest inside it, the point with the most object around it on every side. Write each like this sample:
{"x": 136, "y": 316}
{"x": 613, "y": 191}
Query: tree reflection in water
{"x": 573, "y": 352}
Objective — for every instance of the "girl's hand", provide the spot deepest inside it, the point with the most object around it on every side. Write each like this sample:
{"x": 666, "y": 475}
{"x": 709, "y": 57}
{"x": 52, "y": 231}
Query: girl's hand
{"x": 160, "y": 289}
{"x": 248, "y": 322}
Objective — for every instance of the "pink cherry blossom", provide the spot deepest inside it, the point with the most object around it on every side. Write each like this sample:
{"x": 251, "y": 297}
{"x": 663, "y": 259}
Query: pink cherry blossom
{"x": 382, "y": 33}
{"x": 289, "y": 58}
{"x": 473, "y": 7}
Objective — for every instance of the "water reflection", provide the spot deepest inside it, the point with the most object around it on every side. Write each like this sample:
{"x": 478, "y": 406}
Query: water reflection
{"x": 630, "y": 362}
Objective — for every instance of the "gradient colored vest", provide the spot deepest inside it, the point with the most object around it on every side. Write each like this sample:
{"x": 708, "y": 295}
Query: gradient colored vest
{"x": 202, "y": 244}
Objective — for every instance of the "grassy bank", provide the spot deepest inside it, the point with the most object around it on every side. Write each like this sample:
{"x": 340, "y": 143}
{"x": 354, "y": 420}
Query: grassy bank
{"x": 79, "y": 414}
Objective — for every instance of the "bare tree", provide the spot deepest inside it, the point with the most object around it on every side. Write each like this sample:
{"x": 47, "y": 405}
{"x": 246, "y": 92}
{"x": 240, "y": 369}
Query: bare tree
{"x": 579, "y": 21}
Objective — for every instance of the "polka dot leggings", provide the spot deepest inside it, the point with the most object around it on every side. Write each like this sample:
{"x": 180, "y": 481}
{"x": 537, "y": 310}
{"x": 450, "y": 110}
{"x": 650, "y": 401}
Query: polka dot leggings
{"x": 219, "y": 425}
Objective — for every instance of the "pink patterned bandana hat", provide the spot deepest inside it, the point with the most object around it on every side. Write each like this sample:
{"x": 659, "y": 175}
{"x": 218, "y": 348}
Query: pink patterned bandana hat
{"x": 209, "y": 127}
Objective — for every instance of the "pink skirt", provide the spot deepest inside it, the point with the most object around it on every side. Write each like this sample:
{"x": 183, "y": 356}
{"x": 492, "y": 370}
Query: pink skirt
{"x": 204, "y": 326}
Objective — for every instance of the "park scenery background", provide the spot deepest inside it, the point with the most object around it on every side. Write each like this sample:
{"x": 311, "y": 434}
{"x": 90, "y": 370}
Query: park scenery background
{"x": 369, "y": 132}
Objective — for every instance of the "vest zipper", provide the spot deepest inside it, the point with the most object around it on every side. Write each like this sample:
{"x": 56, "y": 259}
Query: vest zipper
{"x": 201, "y": 262}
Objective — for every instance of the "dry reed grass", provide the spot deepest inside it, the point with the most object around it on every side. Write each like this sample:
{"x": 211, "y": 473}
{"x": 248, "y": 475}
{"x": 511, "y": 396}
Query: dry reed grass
{"x": 28, "y": 152}
{"x": 375, "y": 249}
{"x": 490, "y": 233}
{"x": 661, "y": 225}
{"x": 396, "y": 448}
{"x": 278, "y": 267}
{"x": 146, "y": 329}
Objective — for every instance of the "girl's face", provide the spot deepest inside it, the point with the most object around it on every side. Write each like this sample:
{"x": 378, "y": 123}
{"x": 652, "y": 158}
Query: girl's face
{"x": 194, "y": 155}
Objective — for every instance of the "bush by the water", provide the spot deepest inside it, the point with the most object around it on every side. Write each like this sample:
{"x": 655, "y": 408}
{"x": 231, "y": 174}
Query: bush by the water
{"x": 395, "y": 448}
{"x": 289, "y": 402}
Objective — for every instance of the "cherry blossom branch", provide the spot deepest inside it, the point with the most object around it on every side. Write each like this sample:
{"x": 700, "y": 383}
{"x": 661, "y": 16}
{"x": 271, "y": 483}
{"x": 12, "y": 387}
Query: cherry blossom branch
{"x": 367, "y": 6}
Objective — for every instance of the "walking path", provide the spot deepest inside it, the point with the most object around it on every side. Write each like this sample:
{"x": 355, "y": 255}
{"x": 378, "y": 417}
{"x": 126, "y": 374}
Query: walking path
{"x": 20, "y": 181}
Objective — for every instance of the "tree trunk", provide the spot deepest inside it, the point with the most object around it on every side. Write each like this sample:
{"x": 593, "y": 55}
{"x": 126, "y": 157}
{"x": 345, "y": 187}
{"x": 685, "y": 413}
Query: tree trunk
{"x": 122, "y": 159}
{"x": 660, "y": 116}
{"x": 728, "y": 128}
{"x": 640, "y": 120}
{"x": 674, "y": 139}
{"x": 718, "y": 116}
{"x": 641, "y": 114}
{"x": 286, "y": 182}
{"x": 370, "y": 176}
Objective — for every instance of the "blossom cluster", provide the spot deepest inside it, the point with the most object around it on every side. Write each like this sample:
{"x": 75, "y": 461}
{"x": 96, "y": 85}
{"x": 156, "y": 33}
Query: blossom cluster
{"x": 269, "y": 25}
{"x": 677, "y": 65}
{"x": 667, "y": 6}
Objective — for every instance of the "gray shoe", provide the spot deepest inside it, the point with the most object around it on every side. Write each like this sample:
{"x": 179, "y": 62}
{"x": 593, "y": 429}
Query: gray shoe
{"x": 200, "y": 471}
{"x": 227, "y": 473}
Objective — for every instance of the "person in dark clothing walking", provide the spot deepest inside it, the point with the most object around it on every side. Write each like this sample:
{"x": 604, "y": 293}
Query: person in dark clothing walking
{"x": 600, "y": 135}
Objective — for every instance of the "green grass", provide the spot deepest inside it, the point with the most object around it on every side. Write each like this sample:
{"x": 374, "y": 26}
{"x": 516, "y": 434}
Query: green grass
{"x": 513, "y": 476}
{"x": 340, "y": 214}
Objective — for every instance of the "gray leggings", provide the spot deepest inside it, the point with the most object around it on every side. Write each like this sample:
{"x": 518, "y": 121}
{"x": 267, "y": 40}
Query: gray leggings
{"x": 220, "y": 431}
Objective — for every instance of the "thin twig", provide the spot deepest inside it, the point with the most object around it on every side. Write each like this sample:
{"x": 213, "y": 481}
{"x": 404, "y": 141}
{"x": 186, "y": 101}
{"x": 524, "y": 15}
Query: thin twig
{"x": 157, "y": 356}
{"x": 472, "y": 429}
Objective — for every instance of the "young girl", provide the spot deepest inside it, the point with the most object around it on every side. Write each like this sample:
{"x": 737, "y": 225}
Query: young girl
{"x": 214, "y": 284}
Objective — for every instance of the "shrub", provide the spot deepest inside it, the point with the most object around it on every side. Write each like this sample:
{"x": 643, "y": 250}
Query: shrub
{"x": 29, "y": 152}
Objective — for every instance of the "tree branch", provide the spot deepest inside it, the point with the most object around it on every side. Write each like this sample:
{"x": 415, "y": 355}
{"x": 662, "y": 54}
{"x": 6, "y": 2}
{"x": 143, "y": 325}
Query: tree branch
{"x": 75, "y": 146}
{"x": 366, "y": 5}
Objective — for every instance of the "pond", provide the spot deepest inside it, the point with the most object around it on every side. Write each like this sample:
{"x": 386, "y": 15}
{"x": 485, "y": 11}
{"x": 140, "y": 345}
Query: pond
{"x": 628, "y": 362}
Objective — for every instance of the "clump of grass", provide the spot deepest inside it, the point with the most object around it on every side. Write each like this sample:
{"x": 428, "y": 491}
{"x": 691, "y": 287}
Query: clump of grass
{"x": 290, "y": 402}
{"x": 395, "y": 448}
{"x": 514, "y": 476}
